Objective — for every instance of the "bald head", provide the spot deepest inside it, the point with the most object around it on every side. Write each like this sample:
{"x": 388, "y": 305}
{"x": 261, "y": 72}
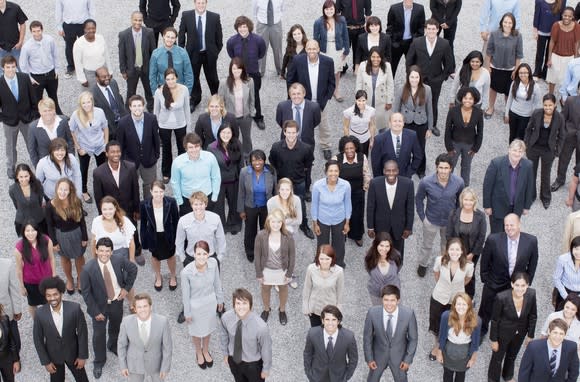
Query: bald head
{"x": 312, "y": 50}
{"x": 511, "y": 225}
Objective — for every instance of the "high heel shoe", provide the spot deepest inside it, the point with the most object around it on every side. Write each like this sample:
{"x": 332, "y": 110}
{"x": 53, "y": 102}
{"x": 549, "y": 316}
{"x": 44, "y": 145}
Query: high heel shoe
{"x": 202, "y": 365}
{"x": 208, "y": 363}
{"x": 158, "y": 288}
{"x": 172, "y": 287}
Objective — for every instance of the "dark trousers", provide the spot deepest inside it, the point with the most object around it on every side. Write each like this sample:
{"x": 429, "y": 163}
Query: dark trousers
{"x": 71, "y": 33}
{"x": 245, "y": 124}
{"x": 253, "y": 217}
{"x": 541, "y": 64}
{"x": 315, "y": 320}
{"x": 518, "y": 126}
{"x": 113, "y": 316}
{"x": 166, "y": 149}
{"x": 508, "y": 352}
{"x": 158, "y": 27}
{"x": 435, "y": 91}
{"x": 453, "y": 376}
{"x": 353, "y": 39}
{"x": 257, "y": 86}
{"x": 232, "y": 221}
{"x": 246, "y": 371}
{"x": 486, "y": 306}
{"x": 496, "y": 224}
{"x": 398, "y": 50}
{"x": 421, "y": 130}
{"x": 49, "y": 82}
{"x": 133, "y": 78}
{"x": 211, "y": 76}
{"x": 136, "y": 233}
{"x": 332, "y": 234}
{"x": 569, "y": 144}
{"x": 357, "y": 225}
{"x": 185, "y": 207}
{"x": 7, "y": 373}
{"x": 399, "y": 245}
{"x": 300, "y": 190}
{"x": 80, "y": 375}
{"x": 470, "y": 287}
{"x": 449, "y": 34}
{"x": 85, "y": 161}
{"x": 14, "y": 328}
{"x": 462, "y": 150}
{"x": 535, "y": 154}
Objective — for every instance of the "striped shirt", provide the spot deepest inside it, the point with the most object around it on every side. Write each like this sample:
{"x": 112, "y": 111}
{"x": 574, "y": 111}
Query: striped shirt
{"x": 566, "y": 276}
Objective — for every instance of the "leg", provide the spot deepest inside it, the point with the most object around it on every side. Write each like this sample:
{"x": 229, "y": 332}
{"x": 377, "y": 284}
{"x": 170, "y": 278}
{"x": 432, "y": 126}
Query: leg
{"x": 533, "y": 154}
{"x": 198, "y": 349}
{"x": 511, "y": 354}
{"x": 23, "y": 129}
{"x": 171, "y": 265}
{"x": 399, "y": 244}
{"x": 205, "y": 346}
{"x": 449, "y": 34}
{"x": 547, "y": 158}
{"x": 59, "y": 375}
{"x": 71, "y": 32}
{"x": 196, "y": 67}
{"x": 436, "y": 91}
{"x": 494, "y": 369}
{"x": 541, "y": 45}
{"x": 52, "y": 91}
{"x": 283, "y": 296}
{"x": 324, "y": 131}
{"x": 132, "y": 82}
{"x": 495, "y": 224}
{"x": 263, "y": 30}
{"x": 569, "y": 145}
{"x": 397, "y": 52}
{"x": 156, "y": 265}
{"x": 233, "y": 219}
{"x": 166, "y": 155}
{"x": 211, "y": 75}
{"x": 266, "y": 292}
{"x": 220, "y": 207}
{"x": 485, "y": 308}
{"x": 14, "y": 329}
{"x": 67, "y": 269}
{"x": 338, "y": 242}
{"x": 429, "y": 231}
{"x": 337, "y": 82}
{"x": 100, "y": 342}
{"x": 324, "y": 237}
{"x": 442, "y": 239}
{"x": 300, "y": 191}
{"x": 463, "y": 150}
{"x": 115, "y": 315}
{"x": 447, "y": 375}
{"x": 79, "y": 264}
{"x": 245, "y": 130}
{"x": 250, "y": 230}
{"x": 257, "y": 85}
{"x": 357, "y": 217}
{"x": 144, "y": 76}
{"x": 11, "y": 135}
{"x": 421, "y": 130}
{"x": 148, "y": 176}
{"x": 491, "y": 104}
{"x": 179, "y": 135}
{"x": 276, "y": 36}
{"x": 80, "y": 375}
{"x": 315, "y": 320}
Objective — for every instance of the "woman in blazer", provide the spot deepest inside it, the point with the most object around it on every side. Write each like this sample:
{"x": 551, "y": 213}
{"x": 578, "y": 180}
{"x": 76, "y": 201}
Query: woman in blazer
{"x": 208, "y": 123}
{"x": 373, "y": 38}
{"x": 383, "y": 264}
{"x": 295, "y": 44}
{"x": 9, "y": 354}
{"x": 27, "y": 196}
{"x": 514, "y": 315}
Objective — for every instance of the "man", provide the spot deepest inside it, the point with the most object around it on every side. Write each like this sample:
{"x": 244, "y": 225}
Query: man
{"x": 135, "y": 47}
{"x": 138, "y": 136}
{"x": 508, "y": 186}
{"x": 356, "y": 13}
{"x": 10, "y": 297}
{"x": 291, "y": 158}
{"x": 159, "y": 14}
{"x": 12, "y": 29}
{"x": 433, "y": 55}
{"x": 106, "y": 96}
{"x": 570, "y": 139}
{"x": 316, "y": 73}
{"x": 390, "y": 206}
{"x": 60, "y": 333}
{"x": 442, "y": 191}
{"x": 145, "y": 346}
{"x": 569, "y": 86}
{"x": 105, "y": 283}
{"x": 398, "y": 144}
{"x": 405, "y": 22}
{"x": 195, "y": 170}
{"x": 39, "y": 58}
{"x": 70, "y": 18}
{"x": 245, "y": 340}
{"x": 18, "y": 105}
{"x": 390, "y": 337}
{"x": 330, "y": 353}
{"x": 490, "y": 16}
{"x": 200, "y": 33}
{"x": 504, "y": 254}
{"x": 268, "y": 15}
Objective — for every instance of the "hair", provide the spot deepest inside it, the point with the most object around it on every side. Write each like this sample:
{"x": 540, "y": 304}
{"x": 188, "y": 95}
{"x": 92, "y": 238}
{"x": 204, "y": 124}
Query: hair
{"x": 465, "y": 71}
{"x": 389, "y": 290}
{"x": 112, "y": 143}
{"x": 70, "y": 208}
{"x": 445, "y": 258}
{"x": 289, "y": 123}
{"x": 41, "y": 243}
{"x": 35, "y": 24}
{"x": 468, "y": 90}
{"x": 369, "y": 66}
{"x": 258, "y": 154}
{"x": 573, "y": 244}
{"x": 328, "y": 251}
{"x": 104, "y": 242}
{"x": 119, "y": 212}
{"x": 167, "y": 95}
{"x": 514, "y": 31}
{"x": 278, "y": 214}
{"x": 192, "y": 138}
{"x": 574, "y": 300}
{"x": 470, "y": 321}
{"x": 85, "y": 117}
{"x": 348, "y": 139}
{"x": 558, "y": 323}
{"x": 233, "y": 147}
{"x": 329, "y": 4}
{"x": 372, "y": 256}
{"x": 359, "y": 94}
{"x": 53, "y": 282}
{"x": 516, "y": 82}
{"x": 243, "y": 20}
{"x": 419, "y": 98}
{"x": 331, "y": 309}
{"x": 157, "y": 183}
{"x": 432, "y": 21}
{"x": 169, "y": 29}
{"x": 520, "y": 276}
{"x": 201, "y": 244}
{"x": 555, "y": 6}
{"x": 35, "y": 184}
{"x": 242, "y": 294}
{"x": 136, "y": 97}
{"x": 518, "y": 144}
{"x": 331, "y": 162}
{"x": 568, "y": 8}
{"x": 230, "y": 80}
{"x": 59, "y": 144}
{"x": 468, "y": 191}
{"x": 216, "y": 98}
{"x": 142, "y": 296}
{"x": 373, "y": 20}
{"x": 296, "y": 85}
{"x": 444, "y": 158}
{"x": 198, "y": 195}
{"x": 288, "y": 204}
{"x": 10, "y": 59}
{"x": 47, "y": 103}
{"x": 89, "y": 21}
{"x": 290, "y": 43}
{"x": 549, "y": 97}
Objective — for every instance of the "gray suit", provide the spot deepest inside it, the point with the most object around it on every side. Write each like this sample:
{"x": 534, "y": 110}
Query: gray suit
{"x": 145, "y": 359}
{"x": 401, "y": 347}
{"x": 319, "y": 367}
{"x": 10, "y": 295}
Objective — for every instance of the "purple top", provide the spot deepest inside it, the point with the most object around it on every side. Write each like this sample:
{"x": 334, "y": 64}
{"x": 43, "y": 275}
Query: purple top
{"x": 255, "y": 50}
{"x": 513, "y": 182}
{"x": 33, "y": 273}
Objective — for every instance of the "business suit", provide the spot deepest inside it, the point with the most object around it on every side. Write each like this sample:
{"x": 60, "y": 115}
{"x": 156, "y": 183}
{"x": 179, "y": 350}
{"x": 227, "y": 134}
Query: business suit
{"x": 339, "y": 367}
{"x": 141, "y": 359}
{"x": 38, "y": 140}
{"x": 396, "y": 29}
{"x": 213, "y": 41}
{"x": 311, "y": 117}
{"x": 159, "y": 14}
{"x": 389, "y": 352}
{"x": 362, "y": 51}
{"x": 410, "y": 154}
{"x": 446, "y": 12}
{"x": 10, "y": 297}
{"x": 535, "y": 364}
{"x": 103, "y": 103}
{"x": 65, "y": 348}
{"x": 204, "y": 129}
{"x": 570, "y": 137}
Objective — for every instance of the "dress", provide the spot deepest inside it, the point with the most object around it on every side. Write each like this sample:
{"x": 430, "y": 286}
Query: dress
{"x": 332, "y": 52}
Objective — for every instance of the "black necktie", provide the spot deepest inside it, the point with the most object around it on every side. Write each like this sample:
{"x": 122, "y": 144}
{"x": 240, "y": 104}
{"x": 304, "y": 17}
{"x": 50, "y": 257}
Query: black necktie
{"x": 398, "y": 149}
{"x": 238, "y": 343}
{"x": 169, "y": 59}
{"x": 200, "y": 33}
{"x": 553, "y": 359}
{"x": 270, "y": 15}
{"x": 113, "y": 103}
{"x": 245, "y": 52}
{"x": 329, "y": 347}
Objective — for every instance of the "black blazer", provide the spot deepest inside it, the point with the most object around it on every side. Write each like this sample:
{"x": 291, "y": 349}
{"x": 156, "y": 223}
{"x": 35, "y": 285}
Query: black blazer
{"x": 145, "y": 153}
{"x": 435, "y": 67}
{"x": 337, "y": 368}
{"x": 298, "y": 72}
{"x": 494, "y": 259}
{"x": 27, "y": 208}
{"x": 127, "y": 50}
{"x": 203, "y": 128}
{"x": 557, "y": 132}
{"x": 56, "y": 348}
{"x": 362, "y": 51}
{"x": 396, "y": 22}
{"x": 535, "y": 364}
{"x": 8, "y": 343}
{"x": 392, "y": 219}
{"x": 148, "y": 229}
{"x": 477, "y": 233}
{"x": 311, "y": 117}
{"x": 213, "y": 35}
{"x": 571, "y": 114}
{"x": 445, "y": 12}
{"x": 409, "y": 158}
{"x": 38, "y": 139}
{"x": 103, "y": 103}
{"x": 505, "y": 322}
{"x": 127, "y": 193}
{"x": 25, "y": 109}
{"x": 454, "y": 125}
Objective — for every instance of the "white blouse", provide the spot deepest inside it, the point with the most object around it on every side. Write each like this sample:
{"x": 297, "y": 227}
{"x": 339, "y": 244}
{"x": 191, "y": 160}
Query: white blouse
{"x": 120, "y": 239}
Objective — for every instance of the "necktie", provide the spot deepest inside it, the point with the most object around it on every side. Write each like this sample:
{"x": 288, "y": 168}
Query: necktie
{"x": 329, "y": 347}
{"x": 297, "y": 117}
{"x": 245, "y": 52}
{"x": 389, "y": 327}
{"x": 14, "y": 87}
{"x": 513, "y": 253}
{"x": 143, "y": 333}
{"x": 138, "y": 52}
{"x": 113, "y": 103}
{"x": 238, "y": 343}
{"x": 200, "y": 33}
{"x": 270, "y": 13}
{"x": 169, "y": 59}
{"x": 398, "y": 148}
{"x": 354, "y": 11}
{"x": 108, "y": 283}
{"x": 553, "y": 363}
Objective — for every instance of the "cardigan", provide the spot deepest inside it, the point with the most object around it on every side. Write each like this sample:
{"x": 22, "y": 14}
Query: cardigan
{"x": 178, "y": 115}
{"x": 444, "y": 332}
{"x": 321, "y": 291}
{"x": 262, "y": 250}
{"x": 340, "y": 33}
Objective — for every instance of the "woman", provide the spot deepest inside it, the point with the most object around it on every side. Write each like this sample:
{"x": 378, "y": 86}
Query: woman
{"x": 373, "y": 38}
{"x": 414, "y": 102}
{"x": 295, "y": 45}
{"x": 275, "y": 257}
{"x": 359, "y": 121}
{"x": 56, "y": 165}
{"x": 383, "y": 264}
{"x": 546, "y": 13}
{"x": 90, "y": 132}
{"x": 288, "y": 203}
{"x": 514, "y": 315}
{"x": 445, "y": 12}
{"x": 170, "y": 105}
{"x": 464, "y": 131}
{"x": 504, "y": 53}
{"x": 564, "y": 36}
{"x": 472, "y": 75}
{"x": 354, "y": 168}
{"x": 167, "y": 56}
{"x": 332, "y": 35}
{"x": 376, "y": 78}
{"x": 331, "y": 209}
{"x": 458, "y": 338}
{"x": 524, "y": 97}
{"x": 237, "y": 91}
{"x": 9, "y": 354}
{"x": 255, "y": 188}
{"x": 452, "y": 273}
{"x": 202, "y": 295}
{"x": 67, "y": 230}
{"x": 90, "y": 52}
{"x": 208, "y": 123}
{"x": 323, "y": 284}
{"x": 159, "y": 218}
{"x": 113, "y": 223}
{"x": 28, "y": 197}
{"x": 567, "y": 274}
{"x": 570, "y": 313}
{"x": 543, "y": 138}
{"x": 34, "y": 261}
{"x": 228, "y": 152}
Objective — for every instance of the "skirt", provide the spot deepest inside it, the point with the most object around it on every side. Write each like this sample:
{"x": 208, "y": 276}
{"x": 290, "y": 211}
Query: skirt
{"x": 204, "y": 318}
{"x": 122, "y": 252}
{"x": 274, "y": 276}
{"x": 436, "y": 309}
{"x": 336, "y": 56}
{"x": 70, "y": 243}
{"x": 163, "y": 250}
{"x": 33, "y": 295}
{"x": 558, "y": 69}
{"x": 455, "y": 356}
{"x": 501, "y": 81}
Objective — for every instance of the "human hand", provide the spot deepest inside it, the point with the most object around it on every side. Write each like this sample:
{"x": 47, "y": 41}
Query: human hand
{"x": 371, "y": 233}
{"x": 125, "y": 76}
{"x": 506, "y": 119}
{"x": 50, "y": 368}
{"x": 80, "y": 363}
{"x": 16, "y": 367}
{"x": 494, "y": 346}
{"x": 471, "y": 361}
{"x": 23, "y": 291}
{"x": 61, "y": 33}
{"x": 316, "y": 229}
{"x": 122, "y": 294}
{"x": 346, "y": 228}
{"x": 406, "y": 233}
{"x": 488, "y": 211}
{"x": 404, "y": 366}
{"x": 125, "y": 372}
{"x": 372, "y": 365}
{"x": 388, "y": 106}
{"x": 264, "y": 375}
{"x": 17, "y": 316}
{"x": 243, "y": 215}
{"x": 484, "y": 36}
{"x": 100, "y": 317}
{"x": 85, "y": 84}
{"x": 569, "y": 202}
{"x": 525, "y": 212}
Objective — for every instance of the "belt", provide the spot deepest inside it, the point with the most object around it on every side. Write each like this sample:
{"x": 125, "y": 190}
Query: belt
{"x": 51, "y": 73}
{"x": 355, "y": 26}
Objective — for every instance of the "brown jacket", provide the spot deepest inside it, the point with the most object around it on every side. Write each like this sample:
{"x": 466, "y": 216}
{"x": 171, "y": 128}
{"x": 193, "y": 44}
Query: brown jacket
{"x": 261, "y": 251}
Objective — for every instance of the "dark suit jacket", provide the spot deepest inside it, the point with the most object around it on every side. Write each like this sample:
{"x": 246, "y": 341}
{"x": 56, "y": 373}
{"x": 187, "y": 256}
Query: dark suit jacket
{"x": 338, "y": 368}
{"x": 409, "y": 158}
{"x": 213, "y": 35}
{"x": 38, "y": 140}
{"x": 496, "y": 187}
{"x": 203, "y": 128}
{"x": 571, "y": 114}
{"x": 535, "y": 364}
{"x": 445, "y": 12}
{"x": 127, "y": 193}
{"x": 145, "y": 153}
{"x": 396, "y": 218}
{"x": 557, "y": 130}
{"x": 505, "y": 322}
{"x": 494, "y": 259}
{"x": 310, "y": 118}
{"x": 56, "y": 348}
{"x": 435, "y": 67}
{"x": 477, "y": 231}
{"x": 103, "y": 103}
{"x": 298, "y": 72}
{"x": 127, "y": 49}
{"x": 148, "y": 227}
{"x": 362, "y": 51}
{"x": 454, "y": 124}
{"x": 25, "y": 109}
{"x": 396, "y": 22}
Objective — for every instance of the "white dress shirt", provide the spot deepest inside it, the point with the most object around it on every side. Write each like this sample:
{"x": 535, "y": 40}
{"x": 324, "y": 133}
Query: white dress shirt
{"x": 147, "y": 324}
{"x": 395, "y": 315}
{"x": 326, "y": 336}
{"x": 430, "y": 47}
{"x": 57, "y": 317}
{"x": 260, "y": 10}
{"x": 313, "y": 69}
{"x": 391, "y": 192}
{"x": 203, "y": 25}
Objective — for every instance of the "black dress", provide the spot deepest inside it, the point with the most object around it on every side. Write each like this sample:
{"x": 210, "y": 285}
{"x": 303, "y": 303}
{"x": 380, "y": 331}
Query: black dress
{"x": 353, "y": 174}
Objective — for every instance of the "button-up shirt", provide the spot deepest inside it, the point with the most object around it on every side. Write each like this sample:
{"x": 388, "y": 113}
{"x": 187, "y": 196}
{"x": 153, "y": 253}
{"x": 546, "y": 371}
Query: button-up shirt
{"x": 260, "y": 10}
{"x": 394, "y": 139}
{"x": 566, "y": 276}
{"x": 313, "y": 69}
{"x": 441, "y": 200}
{"x": 73, "y": 12}
{"x": 116, "y": 286}
{"x": 256, "y": 50}
{"x": 569, "y": 86}
{"x": 147, "y": 324}
{"x": 50, "y": 132}
{"x": 493, "y": 10}
{"x": 407, "y": 35}
{"x": 139, "y": 128}
{"x": 57, "y": 317}
{"x": 558, "y": 353}
{"x": 395, "y": 315}
{"x": 512, "y": 246}
{"x": 327, "y": 336}
{"x": 363, "y": 8}
{"x": 391, "y": 192}
{"x": 202, "y": 174}
{"x": 331, "y": 207}
{"x": 115, "y": 173}
{"x": 39, "y": 57}
{"x": 209, "y": 229}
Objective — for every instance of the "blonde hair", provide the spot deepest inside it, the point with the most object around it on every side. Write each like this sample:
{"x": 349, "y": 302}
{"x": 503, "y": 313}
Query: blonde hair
{"x": 85, "y": 117}
{"x": 47, "y": 103}
{"x": 288, "y": 204}
{"x": 468, "y": 191}
{"x": 470, "y": 320}
{"x": 278, "y": 215}
{"x": 217, "y": 98}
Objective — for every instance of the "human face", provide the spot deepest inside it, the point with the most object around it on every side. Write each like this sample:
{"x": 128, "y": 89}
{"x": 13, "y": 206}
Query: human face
{"x": 103, "y": 77}
{"x": 567, "y": 17}
{"x": 383, "y": 248}
{"x": 30, "y": 233}
{"x": 520, "y": 287}
{"x": 87, "y": 104}
{"x": 236, "y": 72}
{"x": 475, "y": 63}
{"x": 361, "y": 102}
{"x": 171, "y": 81}
{"x": 332, "y": 173}
{"x": 169, "y": 39}
{"x": 9, "y": 70}
{"x": 215, "y": 109}
{"x": 90, "y": 31}
{"x": 297, "y": 35}
{"x": 549, "y": 107}
{"x": 63, "y": 190}
{"x": 59, "y": 154}
{"x": 414, "y": 78}
{"x": 515, "y": 155}
{"x": 23, "y": 178}
{"x": 47, "y": 114}
{"x": 243, "y": 30}
{"x": 242, "y": 308}
{"x": 104, "y": 253}
{"x": 390, "y": 303}
{"x": 511, "y": 225}
{"x": 391, "y": 172}
{"x": 461, "y": 307}
{"x": 507, "y": 24}
{"x": 200, "y": 6}
{"x": 431, "y": 32}
{"x": 284, "y": 191}
{"x": 468, "y": 202}
{"x": 443, "y": 171}
{"x": 198, "y": 207}
{"x": 374, "y": 28}
{"x": 468, "y": 101}
{"x": 157, "y": 193}
{"x": 312, "y": 50}
{"x": 53, "y": 297}
{"x": 556, "y": 337}
{"x": 201, "y": 257}
{"x": 350, "y": 150}
{"x": 36, "y": 33}
{"x": 137, "y": 21}
{"x": 455, "y": 252}
{"x": 226, "y": 135}
{"x": 137, "y": 109}
{"x": 325, "y": 261}
{"x": 297, "y": 96}
{"x": 524, "y": 75}
{"x": 114, "y": 154}
{"x": 575, "y": 252}
{"x": 143, "y": 309}
{"x": 193, "y": 151}
{"x": 375, "y": 59}
{"x": 275, "y": 224}
{"x": 257, "y": 164}
{"x": 329, "y": 12}
{"x": 397, "y": 123}
{"x": 291, "y": 135}
{"x": 108, "y": 210}
{"x": 330, "y": 323}
{"x": 569, "y": 310}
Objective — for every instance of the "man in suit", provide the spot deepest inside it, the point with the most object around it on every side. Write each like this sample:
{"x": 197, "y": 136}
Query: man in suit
{"x": 330, "y": 353}
{"x": 105, "y": 283}
{"x": 398, "y": 144}
{"x": 145, "y": 346}
{"x": 321, "y": 92}
{"x": 203, "y": 46}
{"x": 18, "y": 105}
{"x": 503, "y": 254}
{"x": 60, "y": 333}
{"x": 268, "y": 15}
{"x": 569, "y": 139}
{"x": 433, "y": 55}
{"x": 356, "y": 14}
{"x": 390, "y": 206}
{"x": 508, "y": 186}
{"x": 106, "y": 96}
{"x": 401, "y": 32}
{"x": 390, "y": 337}
{"x": 133, "y": 62}
{"x": 553, "y": 359}
{"x": 159, "y": 14}
{"x": 10, "y": 297}
{"x": 138, "y": 136}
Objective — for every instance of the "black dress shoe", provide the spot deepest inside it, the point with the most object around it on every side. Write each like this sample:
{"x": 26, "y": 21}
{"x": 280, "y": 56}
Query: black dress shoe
{"x": 112, "y": 350}
{"x": 327, "y": 154}
{"x": 202, "y": 365}
{"x": 308, "y": 197}
{"x": 172, "y": 287}
{"x": 261, "y": 124}
{"x": 435, "y": 130}
{"x": 307, "y": 231}
{"x": 556, "y": 186}
{"x": 546, "y": 203}
{"x": 265, "y": 314}
{"x": 70, "y": 291}
{"x": 250, "y": 257}
{"x": 97, "y": 371}
{"x": 158, "y": 288}
{"x": 421, "y": 271}
{"x": 283, "y": 318}
{"x": 181, "y": 318}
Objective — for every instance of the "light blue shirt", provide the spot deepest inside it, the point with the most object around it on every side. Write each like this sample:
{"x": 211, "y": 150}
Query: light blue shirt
{"x": 331, "y": 207}
{"x": 90, "y": 138}
{"x": 569, "y": 86}
{"x": 139, "y": 128}
{"x": 73, "y": 12}
{"x": 558, "y": 354}
{"x": 39, "y": 57}
{"x": 407, "y": 32}
{"x": 203, "y": 18}
{"x": 566, "y": 275}
{"x": 181, "y": 64}
{"x": 48, "y": 174}
{"x": 493, "y": 10}
{"x": 189, "y": 176}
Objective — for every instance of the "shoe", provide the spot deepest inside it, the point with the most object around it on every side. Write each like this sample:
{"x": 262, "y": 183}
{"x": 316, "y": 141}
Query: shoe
{"x": 327, "y": 154}
{"x": 85, "y": 213}
{"x": 308, "y": 197}
{"x": 165, "y": 179}
{"x": 70, "y": 291}
{"x": 283, "y": 318}
{"x": 191, "y": 108}
{"x": 359, "y": 243}
{"x": 293, "y": 284}
{"x": 140, "y": 260}
{"x": 556, "y": 186}
{"x": 307, "y": 231}
{"x": 208, "y": 363}
{"x": 432, "y": 357}
{"x": 265, "y": 314}
{"x": 172, "y": 287}
{"x": 250, "y": 257}
{"x": 487, "y": 115}
{"x": 202, "y": 365}
{"x": 158, "y": 288}
{"x": 338, "y": 99}
{"x": 546, "y": 204}
{"x": 88, "y": 200}
{"x": 421, "y": 271}
{"x": 181, "y": 318}
{"x": 112, "y": 350}
{"x": 68, "y": 74}
{"x": 261, "y": 124}
{"x": 97, "y": 371}
{"x": 435, "y": 130}
{"x": 421, "y": 176}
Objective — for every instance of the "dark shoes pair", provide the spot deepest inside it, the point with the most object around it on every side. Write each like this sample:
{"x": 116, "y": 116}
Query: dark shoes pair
{"x": 205, "y": 363}
{"x": 281, "y": 316}
{"x": 307, "y": 231}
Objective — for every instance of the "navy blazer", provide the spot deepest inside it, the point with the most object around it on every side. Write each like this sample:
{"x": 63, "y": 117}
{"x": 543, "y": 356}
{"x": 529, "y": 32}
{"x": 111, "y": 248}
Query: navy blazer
{"x": 25, "y": 109}
{"x": 311, "y": 117}
{"x": 535, "y": 364}
{"x": 298, "y": 72}
{"x": 148, "y": 229}
{"x": 381, "y": 217}
{"x": 203, "y": 128}
{"x": 409, "y": 158}
{"x": 127, "y": 50}
{"x": 396, "y": 22}
{"x": 142, "y": 153}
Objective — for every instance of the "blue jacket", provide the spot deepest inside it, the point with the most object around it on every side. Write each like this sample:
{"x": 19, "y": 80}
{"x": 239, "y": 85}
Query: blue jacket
{"x": 341, "y": 35}
{"x": 444, "y": 331}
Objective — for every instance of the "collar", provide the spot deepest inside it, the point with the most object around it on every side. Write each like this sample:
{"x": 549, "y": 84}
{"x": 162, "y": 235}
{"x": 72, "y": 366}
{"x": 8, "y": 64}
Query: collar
{"x": 8, "y": 80}
{"x": 146, "y": 322}
{"x": 54, "y": 311}
{"x": 394, "y": 314}
{"x": 57, "y": 121}
{"x": 344, "y": 160}
{"x": 313, "y": 63}
{"x": 300, "y": 104}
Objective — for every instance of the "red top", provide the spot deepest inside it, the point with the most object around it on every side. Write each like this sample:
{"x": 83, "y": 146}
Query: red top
{"x": 33, "y": 273}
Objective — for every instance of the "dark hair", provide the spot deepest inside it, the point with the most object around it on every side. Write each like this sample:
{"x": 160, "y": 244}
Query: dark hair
{"x": 444, "y": 158}
{"x": 10, "y": 59}
{"x": 136, "y": 97}
{"x": 382, "y": 65}
{"x": 112, "y": 143}
{"x": 348, "y": 139}
{"x": 517, "y": 81}
{"x": 573, "y": 244}
{"x": 290, "y": 43}
{"x": 389, "y": 290}
{"x": 558, "y": 323}
{"x": 243, "y": 20}
{"x": 359, "y": 94}
{"x": 258, "y": 154}
{"x": 463, "y": 91}
{"x": 465, "y": 71}
{"x": 328, "y": 251}
{"x": 41, "y": 243}
{"x": 142, "y": 296}
{"x": 331, "y": 309}
{"x": 89, "y": 21}
{"x": 331, "y": 162}
{"x": 59, "y": 144}
{"x": 104, "y": 242}
{"x": 157, "y": 183}
{"x": 237, "y": 61}
{"x": 167, "y": 96}
{"x": 373, "y": 20}
{"x": 169, "y": 29}
{"x": 242, "y": 294}
{"x": 514, "y": 31}
{"x": 53, "y": 282}
{"x": 432, "y": 21}
{"x": 201, "y": 244}
{"x": 329, "y": 4}
{"x": 520, "y": 276}
{"x": 233, "y": 147}
{"x": 574, "y": 300}
{"x": 192, "y": 138}
{"x": 372, "y": 256}
{"x": 549, "y": 97}
{"x": 419, "y": 98}
{"x": 35, "y": 184}
{"x": 36, "y": 24}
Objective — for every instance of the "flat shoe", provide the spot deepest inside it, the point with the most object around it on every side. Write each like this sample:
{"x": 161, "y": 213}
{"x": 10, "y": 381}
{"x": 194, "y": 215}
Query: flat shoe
{"x": 158, "y": 288}
{"x": 173, "y": 287}
{"x": 486, "y": 115}
{"x": 165, "y": 179}
{"x": 88, "y": 200}
{"x": 432, "y": 357}
{"x": 70, "y": 291}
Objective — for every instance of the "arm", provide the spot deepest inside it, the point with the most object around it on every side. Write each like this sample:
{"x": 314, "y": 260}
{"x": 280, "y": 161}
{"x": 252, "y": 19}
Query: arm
{"x": 51, "y": 257}
{"x": 40, "y": 341}
{"x": 371, "y": 200}
{"x": 345, "y": 125}
{"x": 352, "y": 358}
{"x": 412, "y": 338}
{"x": 449, "y": 130}
{"x": 486, "y": 259}
{"x": 496, "y": 318}
{"x": 419, "y": 200}
{"x": 122, "y": 345}
{"x": 533, "y": 315}
{"x": 308, "y": 355}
